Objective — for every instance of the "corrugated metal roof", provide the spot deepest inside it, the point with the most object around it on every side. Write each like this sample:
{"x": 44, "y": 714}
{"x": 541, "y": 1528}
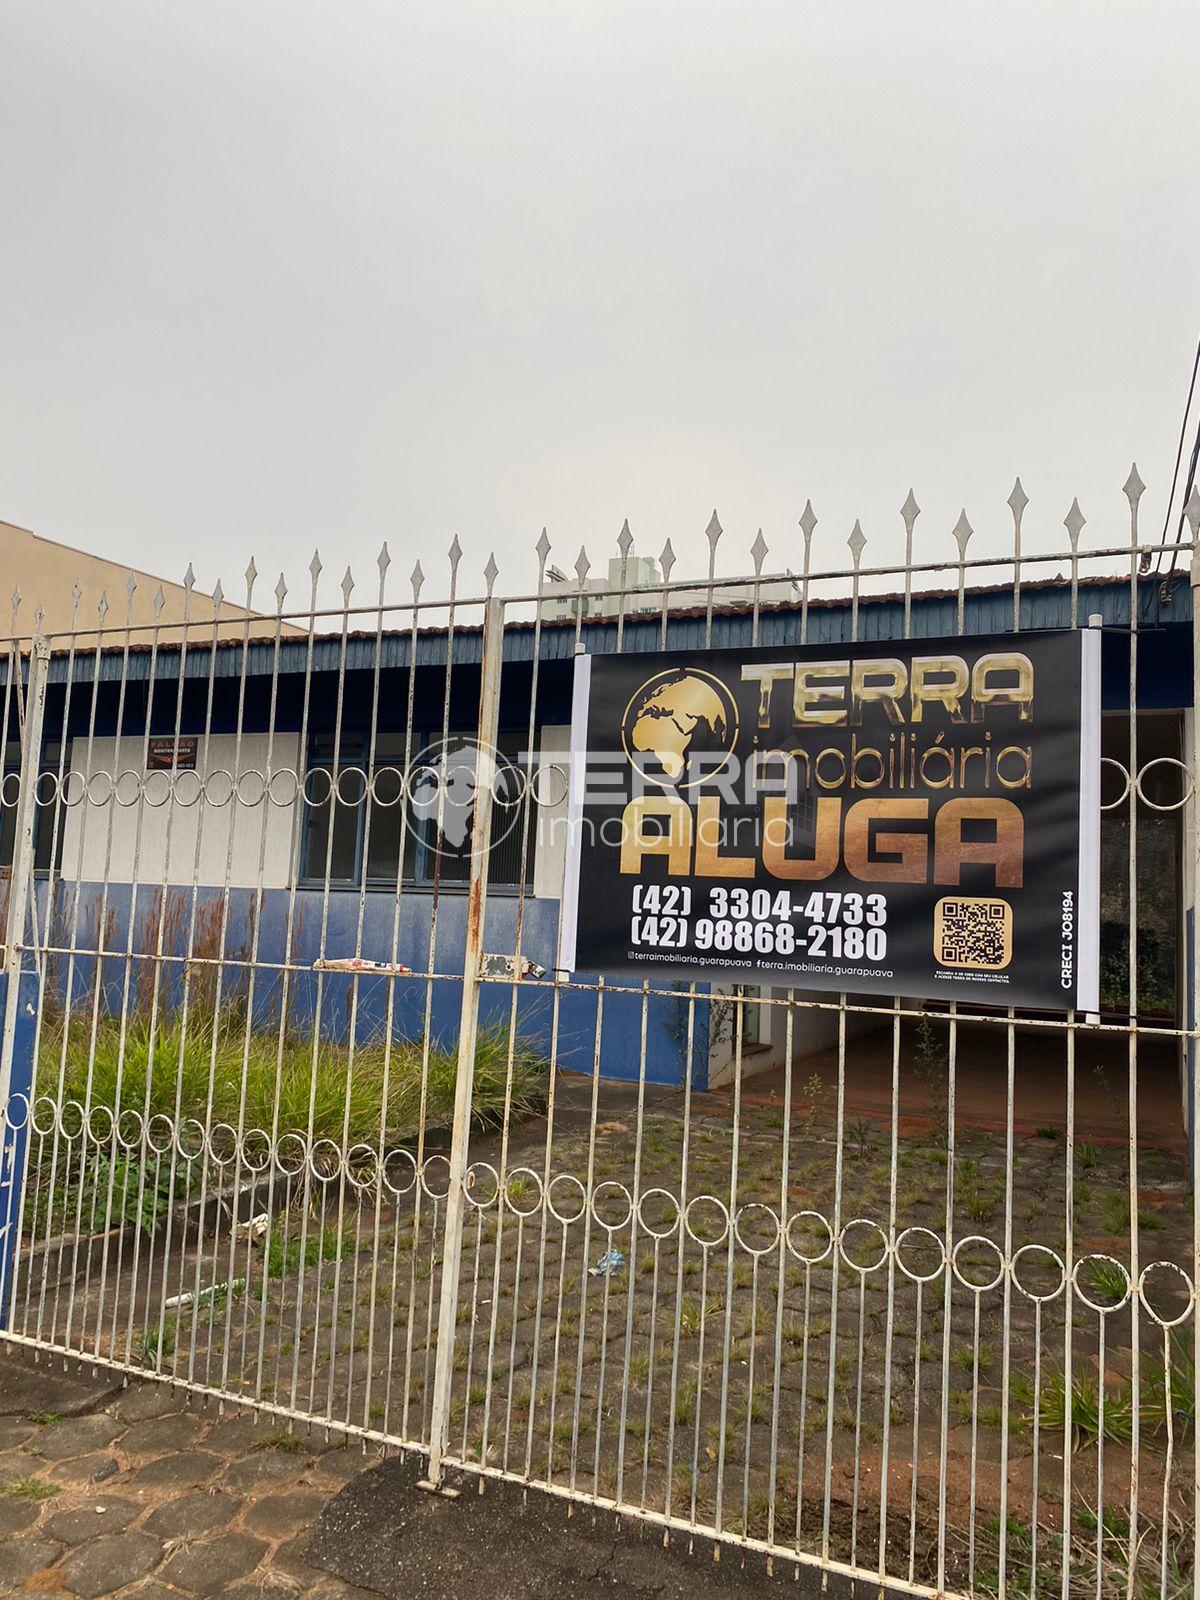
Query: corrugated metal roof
{"x": 1045, "y": 604}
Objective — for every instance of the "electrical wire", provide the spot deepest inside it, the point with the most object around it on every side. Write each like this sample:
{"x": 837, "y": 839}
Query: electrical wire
{"x": 1183, "y": 428}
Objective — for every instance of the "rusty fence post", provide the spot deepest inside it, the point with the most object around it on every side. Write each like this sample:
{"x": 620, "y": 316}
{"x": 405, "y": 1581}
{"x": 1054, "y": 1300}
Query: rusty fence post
{"x": 468, "y": 1027}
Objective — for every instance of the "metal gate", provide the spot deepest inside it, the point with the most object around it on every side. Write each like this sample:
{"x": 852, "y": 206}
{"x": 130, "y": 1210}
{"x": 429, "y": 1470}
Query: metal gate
{"x": 301, "y": 1114}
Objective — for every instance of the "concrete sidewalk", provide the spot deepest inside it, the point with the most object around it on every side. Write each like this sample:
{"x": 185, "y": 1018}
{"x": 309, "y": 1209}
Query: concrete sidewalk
{"x": 140, "y": 1490}
{"x": 145, "y": 1491}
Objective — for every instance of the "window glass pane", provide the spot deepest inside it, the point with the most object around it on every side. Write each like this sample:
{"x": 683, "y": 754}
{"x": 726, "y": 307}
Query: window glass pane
{"x": 386, "y": 824}
{"x": 341, "y": 862}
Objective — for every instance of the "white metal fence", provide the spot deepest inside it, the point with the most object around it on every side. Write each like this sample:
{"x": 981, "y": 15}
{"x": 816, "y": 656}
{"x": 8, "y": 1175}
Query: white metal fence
{"x": 300, "y": 1112}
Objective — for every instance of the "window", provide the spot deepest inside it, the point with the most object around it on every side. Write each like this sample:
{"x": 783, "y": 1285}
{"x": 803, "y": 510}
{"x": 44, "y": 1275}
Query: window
{"x": 357, "y": 822}
{"x": 756, "y": 1019}
{"x": 47, "y": 837}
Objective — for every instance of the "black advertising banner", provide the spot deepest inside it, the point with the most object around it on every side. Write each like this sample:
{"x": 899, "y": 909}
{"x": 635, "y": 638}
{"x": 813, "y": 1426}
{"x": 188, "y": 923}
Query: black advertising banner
{"x": 916, "y": 818}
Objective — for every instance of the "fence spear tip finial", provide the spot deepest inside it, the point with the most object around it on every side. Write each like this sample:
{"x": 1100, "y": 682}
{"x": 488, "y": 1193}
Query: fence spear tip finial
{"x": 808, "y": 520}
{"x": 160, "y": 601}
{"x": 1133, "y": 486}
{"x": 1073, "y": 522}
{"x": 666, "y": 560}
{"x": 714, "y": 530}
{"x": 280, "y": 592}
{"x": 384, "y": 559}
{"x": 218, "y": 595}
{"x": 1017, "y": 499}
{"x": 582, "y": 566}
{"x": 491, "y": 572}
{"x": 624, "y": 538}
{"x": 347, "y": 587}
{"x": 910, "y": 510}
{"x": 542, "y": 547}
{"x": 758, "y": 551}
{"x": 417, "y": 579}
{"x": 857, "y": 541}
{"x": 189, "y": 577}
{"x": 314, "y": 566}
{"x": 962, "y": 532}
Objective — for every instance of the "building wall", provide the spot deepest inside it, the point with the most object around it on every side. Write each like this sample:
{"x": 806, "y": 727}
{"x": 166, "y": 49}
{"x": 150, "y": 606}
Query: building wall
{"x": 239, "y": 843}
{"x": 46, "y": 573}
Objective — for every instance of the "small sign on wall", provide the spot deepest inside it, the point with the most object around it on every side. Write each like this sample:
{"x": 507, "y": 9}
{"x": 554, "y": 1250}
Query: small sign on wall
{"x": 172, "y": 754}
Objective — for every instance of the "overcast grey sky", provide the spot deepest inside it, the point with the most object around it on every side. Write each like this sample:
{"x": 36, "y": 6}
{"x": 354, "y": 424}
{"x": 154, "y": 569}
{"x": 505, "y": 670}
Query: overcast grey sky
{"x": 276, "y": 274}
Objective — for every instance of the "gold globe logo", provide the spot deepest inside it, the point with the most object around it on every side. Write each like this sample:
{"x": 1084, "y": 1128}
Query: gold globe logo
{"x": 674, "y": 717}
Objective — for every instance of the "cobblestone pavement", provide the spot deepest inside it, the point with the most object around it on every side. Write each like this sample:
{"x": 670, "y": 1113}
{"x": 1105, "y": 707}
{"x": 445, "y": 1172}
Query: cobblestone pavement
{"x": 146, "y": 1491}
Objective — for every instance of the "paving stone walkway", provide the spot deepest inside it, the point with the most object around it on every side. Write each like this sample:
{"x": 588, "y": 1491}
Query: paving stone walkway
{"x": 146, "y": 1491}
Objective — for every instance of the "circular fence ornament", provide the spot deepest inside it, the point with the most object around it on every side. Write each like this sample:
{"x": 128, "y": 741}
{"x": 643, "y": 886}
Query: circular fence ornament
{"x": 283, "y": 788}
{"x": 436, "y": 1171}
{"x": 516, "y": 1184}
{"x": 1106, "y": 1278}
{"x": 351, "y": 786}
{"x": 325, "y": 1160}
{"x": 100, "y": 1124}
{"x": 74, "y": 788}
{"x": 251, "y": 788}
{"x": 291, "y": 1154}
{"x": 187, "y": 787}
{"x": 71, "y": 1120}
{"x": 1126, "y": 783}
{"x": 160, "y": 1133}
{"x": 756, "y": 1228}
{"x": 707, "y": 1221}
{"x": 218, "y": 787}
{"x": 99, "y": 788}
{"x": 190, "y": 1139}
{"x": 45, "y": 1116}
{"x": 255, "y": 1149}
{"x": 809, "y": 1237}
{"x": 1187, "y": 785}
{"x": 1039, "y": 1262}
{"x": 612, "y": 1205}
{"x": 978, "y": 1246}
{"x": 387, "y": 787}
{"x": 399, "y": 1171}
{"x": 920, "y": 1254}
{"x": 1172, "y": 1275}
{"x": 156, "y": 788}
{"x": 548, "y": 786}
{"x": 658, "y": 1213}
{"x": 481, "y": 1185}
{"x": 127, "y": 790}
{"x": 16, "y": 1112}
{"x": 851, "y": 1249}
{"x": 560, "y": 1193}
{"x": 362, "y": 1166}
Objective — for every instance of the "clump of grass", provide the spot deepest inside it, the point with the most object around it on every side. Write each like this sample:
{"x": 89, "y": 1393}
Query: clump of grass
{"x": 282, "y": 1442}
{"x": 30, "y": 1489}
{"x": 1117, "y": 1421}
{"x": 283, "y": 1256}
{"x": 248, "y": 1078}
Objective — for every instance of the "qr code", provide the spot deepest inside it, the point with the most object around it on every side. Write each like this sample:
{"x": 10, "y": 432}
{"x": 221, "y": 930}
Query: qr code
{"x": 973, "y": 932}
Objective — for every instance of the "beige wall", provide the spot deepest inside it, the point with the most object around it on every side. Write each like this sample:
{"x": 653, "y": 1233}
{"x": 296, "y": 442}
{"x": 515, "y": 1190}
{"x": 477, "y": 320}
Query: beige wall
{"x": 46, "y": 574}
